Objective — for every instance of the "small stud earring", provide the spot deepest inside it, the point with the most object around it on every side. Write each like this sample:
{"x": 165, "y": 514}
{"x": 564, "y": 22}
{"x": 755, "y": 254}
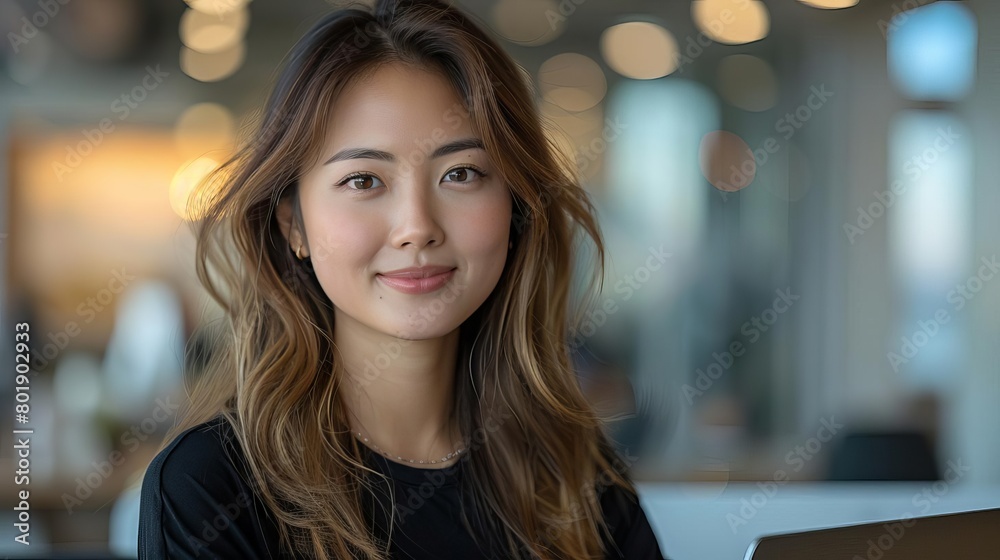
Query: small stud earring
{"x": 298, "y": 253}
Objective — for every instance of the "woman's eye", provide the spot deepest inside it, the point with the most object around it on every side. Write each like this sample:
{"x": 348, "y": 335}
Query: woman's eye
{"x": 360, "y": 182}
{"x": 463, "y": 173}
{"x": 366, "y": 181}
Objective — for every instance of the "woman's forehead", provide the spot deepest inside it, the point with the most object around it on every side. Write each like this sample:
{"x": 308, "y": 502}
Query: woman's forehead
{"x": 399, "y": 95}
{"x": 397, "y": 115}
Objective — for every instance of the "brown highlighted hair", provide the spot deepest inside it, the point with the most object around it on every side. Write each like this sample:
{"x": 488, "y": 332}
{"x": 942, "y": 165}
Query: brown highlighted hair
{"x": 539, "y": 454}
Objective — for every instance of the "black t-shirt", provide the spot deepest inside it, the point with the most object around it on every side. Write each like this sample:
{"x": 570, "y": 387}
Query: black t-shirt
{"x": 196, "y": 503}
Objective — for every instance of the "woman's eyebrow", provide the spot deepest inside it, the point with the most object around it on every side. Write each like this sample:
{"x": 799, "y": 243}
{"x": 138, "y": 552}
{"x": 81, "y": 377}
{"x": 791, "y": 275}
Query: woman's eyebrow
{"x": 371, "y": 153}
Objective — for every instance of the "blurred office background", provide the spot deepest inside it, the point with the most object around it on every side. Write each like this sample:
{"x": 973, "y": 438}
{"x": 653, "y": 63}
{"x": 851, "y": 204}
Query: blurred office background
{"x": 799, "y": 198}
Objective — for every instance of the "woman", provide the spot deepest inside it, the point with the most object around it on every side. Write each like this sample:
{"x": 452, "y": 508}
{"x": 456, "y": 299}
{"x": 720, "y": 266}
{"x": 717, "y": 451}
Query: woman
{"x": 392, "y": 249}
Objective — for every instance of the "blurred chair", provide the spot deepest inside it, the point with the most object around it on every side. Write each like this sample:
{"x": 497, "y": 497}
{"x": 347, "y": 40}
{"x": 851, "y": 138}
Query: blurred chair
{"x": 897, "y": 455}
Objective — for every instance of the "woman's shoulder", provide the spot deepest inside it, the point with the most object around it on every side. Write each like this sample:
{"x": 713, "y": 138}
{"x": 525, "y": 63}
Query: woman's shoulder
{"x": 632, "y": 535}
{"x": 200, "y": 446}
{"x": 202, "y": 452}
{"x": 196, "y": 497}
{"x": 204, "y": 455}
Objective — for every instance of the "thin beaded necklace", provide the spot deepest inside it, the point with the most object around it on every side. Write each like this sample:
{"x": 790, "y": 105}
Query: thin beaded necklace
{"x": 444, "y": 459}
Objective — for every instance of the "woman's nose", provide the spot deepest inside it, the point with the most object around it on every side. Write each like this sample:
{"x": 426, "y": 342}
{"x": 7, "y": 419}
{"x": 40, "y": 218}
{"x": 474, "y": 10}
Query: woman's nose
{"x": 417, "y": 220}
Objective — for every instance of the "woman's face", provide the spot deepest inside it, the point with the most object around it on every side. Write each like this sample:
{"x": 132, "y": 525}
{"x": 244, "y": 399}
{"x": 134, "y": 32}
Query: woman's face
{"x": 397, "y": 186}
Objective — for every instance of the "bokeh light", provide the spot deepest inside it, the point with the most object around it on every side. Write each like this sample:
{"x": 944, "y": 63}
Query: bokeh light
{"x": 639, "y": 50}
{"x": 932, "y": 51}
{"x": 216, "y": 7}
{"x": 212, "y": 67}
{"x": 572, "y": 81}
{"x": 830, "y": 4}
{"x": 205, "y": 126}
{"x": 213, "y": 33}
{"x": 726, "y": 161}
{"x": 733, "y": 22}
{"x": 188, "y": 188}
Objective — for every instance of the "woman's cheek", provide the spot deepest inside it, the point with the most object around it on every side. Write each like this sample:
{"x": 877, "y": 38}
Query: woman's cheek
{"x": 487, "y": 225}
{"x": 342, "y": 235}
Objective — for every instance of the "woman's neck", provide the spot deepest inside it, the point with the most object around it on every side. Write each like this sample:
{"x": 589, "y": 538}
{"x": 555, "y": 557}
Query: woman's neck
{"x": 401, "y": 393}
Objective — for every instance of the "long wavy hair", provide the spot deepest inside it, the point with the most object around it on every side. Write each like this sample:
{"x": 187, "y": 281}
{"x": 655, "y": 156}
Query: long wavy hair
{"x": 539, "y": 456}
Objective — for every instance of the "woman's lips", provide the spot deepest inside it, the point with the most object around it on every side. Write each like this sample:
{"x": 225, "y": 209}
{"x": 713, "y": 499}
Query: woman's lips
{"x": 417, "y": 285}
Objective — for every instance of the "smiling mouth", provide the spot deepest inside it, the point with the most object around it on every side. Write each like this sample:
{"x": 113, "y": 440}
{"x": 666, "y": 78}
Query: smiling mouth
{"x": 416, "y": 286}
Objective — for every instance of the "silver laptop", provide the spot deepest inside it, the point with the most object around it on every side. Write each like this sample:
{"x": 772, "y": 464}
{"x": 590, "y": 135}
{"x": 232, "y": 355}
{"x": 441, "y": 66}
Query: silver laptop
{"x": 970, "y": 535}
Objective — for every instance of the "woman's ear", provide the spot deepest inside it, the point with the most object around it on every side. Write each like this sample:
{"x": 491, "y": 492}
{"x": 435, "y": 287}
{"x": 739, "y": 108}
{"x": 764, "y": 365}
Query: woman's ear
{"x": 289, "y": 228}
